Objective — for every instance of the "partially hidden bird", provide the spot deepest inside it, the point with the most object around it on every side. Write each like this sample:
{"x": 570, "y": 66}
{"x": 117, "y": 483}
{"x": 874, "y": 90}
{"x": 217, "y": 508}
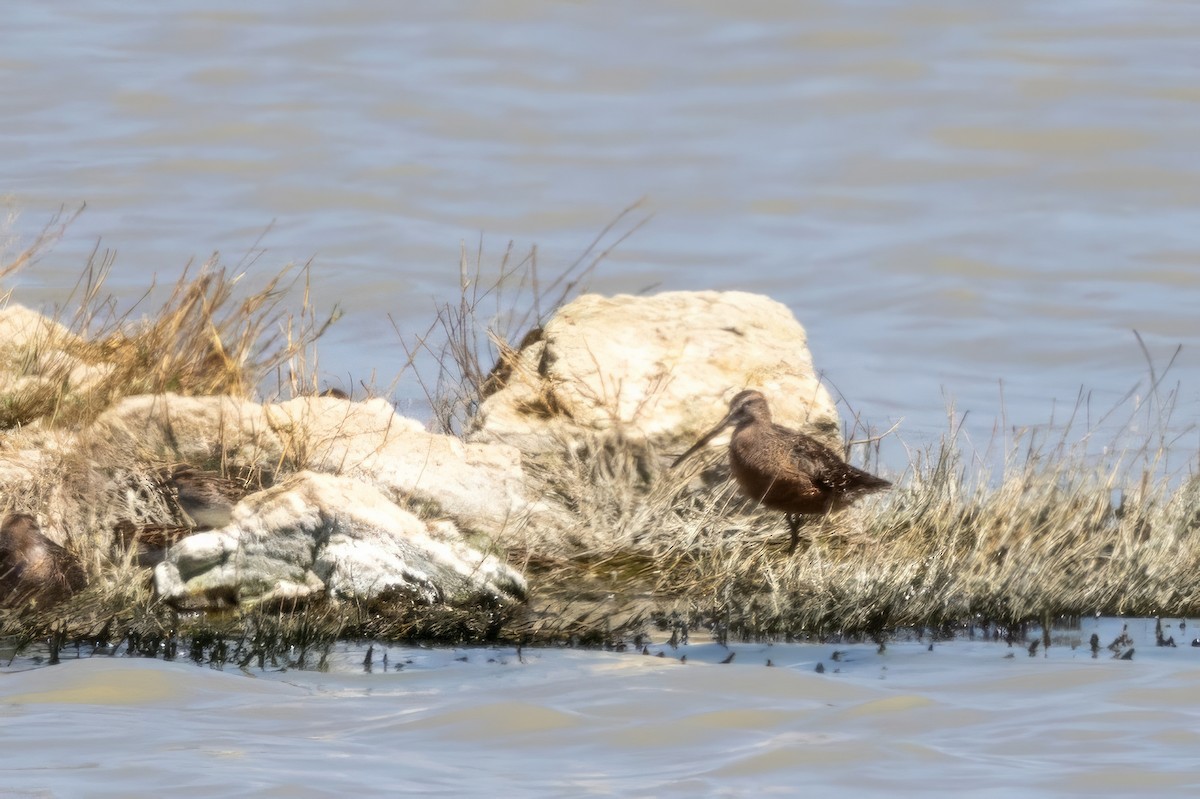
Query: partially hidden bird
{"x": 784, "y": 469}
{"x": 204, "y": 499}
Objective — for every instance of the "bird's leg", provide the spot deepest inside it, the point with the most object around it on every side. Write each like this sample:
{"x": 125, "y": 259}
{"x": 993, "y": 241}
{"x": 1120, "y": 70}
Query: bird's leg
{"x": 793, "y": 520}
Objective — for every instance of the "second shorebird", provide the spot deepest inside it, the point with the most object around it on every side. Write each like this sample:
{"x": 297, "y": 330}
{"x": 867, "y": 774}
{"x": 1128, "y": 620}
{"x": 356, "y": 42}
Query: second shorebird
{"x": 785, "y": 469}
{"x": 203, "y": 499}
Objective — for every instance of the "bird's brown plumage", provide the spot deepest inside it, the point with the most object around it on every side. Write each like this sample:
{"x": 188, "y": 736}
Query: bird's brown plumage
{"x": 204, "y": 499}
{"x": 785, "y": 469}
{"x": 33, "y": 568}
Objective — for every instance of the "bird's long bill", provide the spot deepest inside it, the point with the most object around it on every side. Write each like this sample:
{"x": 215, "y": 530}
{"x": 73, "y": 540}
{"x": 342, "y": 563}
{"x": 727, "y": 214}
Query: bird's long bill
{"x": 704, "y": 439}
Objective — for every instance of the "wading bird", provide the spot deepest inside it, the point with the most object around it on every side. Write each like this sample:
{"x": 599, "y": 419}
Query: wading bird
{"x": 783, "y": 468}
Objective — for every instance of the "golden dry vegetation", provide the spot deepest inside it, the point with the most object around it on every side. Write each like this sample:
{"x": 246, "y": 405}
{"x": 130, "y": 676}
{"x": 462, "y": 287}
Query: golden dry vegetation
{"x": 1048, "y": 526}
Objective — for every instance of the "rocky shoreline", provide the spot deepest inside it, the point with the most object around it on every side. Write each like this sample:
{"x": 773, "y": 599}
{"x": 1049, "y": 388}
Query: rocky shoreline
{"x": 226, "y": 504}
{"x": 149, "y": 497}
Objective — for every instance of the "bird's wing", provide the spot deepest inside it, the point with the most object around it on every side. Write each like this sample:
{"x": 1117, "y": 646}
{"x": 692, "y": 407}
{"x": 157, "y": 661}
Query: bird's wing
{"x": 825, "y": 468}
{"x": 810, "y": 455}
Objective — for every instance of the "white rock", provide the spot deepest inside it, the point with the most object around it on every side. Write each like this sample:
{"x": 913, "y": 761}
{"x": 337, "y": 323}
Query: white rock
{"x": 36, "y": 352}
{"x": 23, "y": 329}
{"x": 660, "y": 368}
{"x": 321, "y": 533}
{"x": 214, "y": 429}
{"x": 480, "y": 486}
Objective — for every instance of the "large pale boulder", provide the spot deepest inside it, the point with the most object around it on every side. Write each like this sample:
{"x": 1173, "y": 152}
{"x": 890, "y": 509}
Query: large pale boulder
{"x": 658, "y": 368}
{"x": 479, "y": 485}
{"x": 322, "y": 534}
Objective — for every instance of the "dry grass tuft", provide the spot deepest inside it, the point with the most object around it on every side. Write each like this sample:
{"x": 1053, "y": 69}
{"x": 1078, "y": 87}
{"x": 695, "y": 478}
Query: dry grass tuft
{"x": 208, "y": 337}
{"x": 211, "y": 335}
{"x": 471, "y": 343}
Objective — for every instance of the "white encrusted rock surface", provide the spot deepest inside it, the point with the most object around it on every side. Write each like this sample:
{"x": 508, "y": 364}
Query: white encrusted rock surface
{"x": 317, "y": 534}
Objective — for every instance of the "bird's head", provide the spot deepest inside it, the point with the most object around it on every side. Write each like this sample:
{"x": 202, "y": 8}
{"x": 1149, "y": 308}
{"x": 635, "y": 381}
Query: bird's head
{"x": 745, "y": 407}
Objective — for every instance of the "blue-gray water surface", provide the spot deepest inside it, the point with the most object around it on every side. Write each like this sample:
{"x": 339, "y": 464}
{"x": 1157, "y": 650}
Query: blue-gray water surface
{"x": 976, "y": 205}
{"x": 973, "y": 204}
{"x": 922, "y": 718}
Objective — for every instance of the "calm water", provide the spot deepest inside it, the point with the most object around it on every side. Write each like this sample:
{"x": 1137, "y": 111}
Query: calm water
{"x": 919, "y": 720}
{"x": 978, "y": 203}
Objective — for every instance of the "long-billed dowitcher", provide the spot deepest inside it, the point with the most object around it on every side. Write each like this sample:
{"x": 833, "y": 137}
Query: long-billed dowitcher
{"x": 785, "y": 469}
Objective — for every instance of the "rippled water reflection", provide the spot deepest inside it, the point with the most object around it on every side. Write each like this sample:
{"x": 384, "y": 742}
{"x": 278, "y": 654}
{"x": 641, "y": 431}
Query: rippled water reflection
{"x": 922, "y": 718}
